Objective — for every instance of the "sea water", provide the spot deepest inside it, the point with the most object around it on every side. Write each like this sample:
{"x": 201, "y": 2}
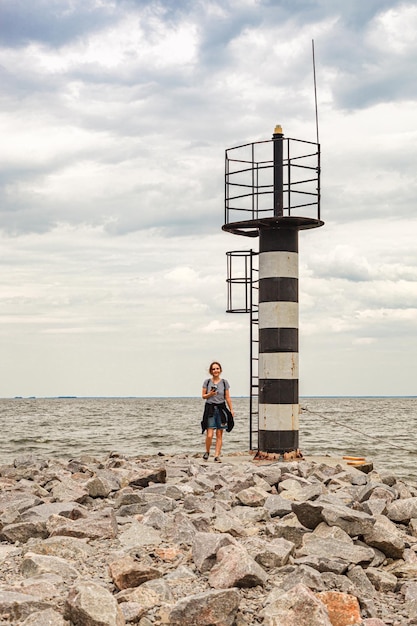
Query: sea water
{"x": 381, "y": 429}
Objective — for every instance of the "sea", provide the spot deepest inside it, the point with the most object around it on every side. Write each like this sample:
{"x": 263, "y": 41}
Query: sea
{"x": 382, "y": 429}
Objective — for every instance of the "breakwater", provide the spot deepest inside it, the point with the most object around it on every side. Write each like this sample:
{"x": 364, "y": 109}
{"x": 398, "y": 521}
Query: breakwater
{"x": 174, "y": 540}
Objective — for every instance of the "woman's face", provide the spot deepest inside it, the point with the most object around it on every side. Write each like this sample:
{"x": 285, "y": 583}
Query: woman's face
{"x": 215, "y": 369}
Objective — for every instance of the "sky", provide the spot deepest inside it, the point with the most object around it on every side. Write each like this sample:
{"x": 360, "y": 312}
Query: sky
{"x": 115, "y": 116}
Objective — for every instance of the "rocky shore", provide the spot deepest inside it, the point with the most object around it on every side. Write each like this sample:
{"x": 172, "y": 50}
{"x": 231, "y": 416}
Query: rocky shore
{"x": 178, "y": 541}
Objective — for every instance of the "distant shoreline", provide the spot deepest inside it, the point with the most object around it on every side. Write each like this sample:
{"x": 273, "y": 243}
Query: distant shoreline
{"x": 185, "y": 397}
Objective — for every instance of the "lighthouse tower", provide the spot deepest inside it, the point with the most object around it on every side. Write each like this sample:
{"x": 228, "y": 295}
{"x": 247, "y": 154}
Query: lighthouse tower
{"x": 272, "y": 191}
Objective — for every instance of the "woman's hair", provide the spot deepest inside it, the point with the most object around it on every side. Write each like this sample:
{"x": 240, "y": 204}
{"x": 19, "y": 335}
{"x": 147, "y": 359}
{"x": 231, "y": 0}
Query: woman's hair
{"x": 215, "y": 363}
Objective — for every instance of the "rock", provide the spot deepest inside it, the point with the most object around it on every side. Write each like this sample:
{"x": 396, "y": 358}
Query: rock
{"x": 23, "y": 531}
{"x": 90, "y": 604}
{"x": 385, "y": 536}
{"x": 361, "y": 581}
{"x": 288, "y": 528}
{"x": 205, "y": 547}
{"x": 127, "y": 572}
{"x": 309, "y": 514}
{"x": 49, "y": 617}
{"x": 212, "y": 608}
{"x": 37, "y": 564}
{"x": 381, "y": 580}
{"x": 402, "y": 510}
{"x": 17, "y": 606}
{"x": 277, "y": 506}
{"x": 353, "y": 522}
{"x": 253, "y": 496}
{"x": 235, "y": 568}
{"x": 139, "y": 534}
{"x": 42, "y": 512}
{"x": 298, "y": 607}
{"x": 102, "y": 525}
{"x": 151, "y": 593}
{"x": 335, "y": 549}
{"x": 270, "y": 554}
{"x": 68, "y": 490}
{"x": 141, "y": 477}
{"x": 98, "y": 487}
{"x": 343, "y": 609}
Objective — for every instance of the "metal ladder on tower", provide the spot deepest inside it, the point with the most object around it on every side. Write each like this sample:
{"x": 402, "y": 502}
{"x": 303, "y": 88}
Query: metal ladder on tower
{"x": 254, "y": 352}
{"x": 243, "y": 297}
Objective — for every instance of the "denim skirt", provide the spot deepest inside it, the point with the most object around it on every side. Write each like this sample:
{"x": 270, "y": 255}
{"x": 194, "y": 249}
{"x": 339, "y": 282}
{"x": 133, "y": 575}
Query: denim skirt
{"x": 215, "y": 421}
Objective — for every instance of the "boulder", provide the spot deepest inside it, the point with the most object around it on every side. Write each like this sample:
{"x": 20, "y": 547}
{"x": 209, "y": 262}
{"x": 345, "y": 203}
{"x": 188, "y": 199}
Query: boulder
{"x": 343, "y": 609}
{"x": 90, "y": 604}
{"x": 127, "y": 572}
{"x": 205, "y": 547}
{"x": 298, "y": 607}
{"x": 235, "y": 568}
{"x": 211, "y": 608}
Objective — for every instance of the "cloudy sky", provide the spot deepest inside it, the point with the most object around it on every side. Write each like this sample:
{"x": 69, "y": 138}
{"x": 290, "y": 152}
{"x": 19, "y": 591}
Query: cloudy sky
{"x": 114, "y": 118}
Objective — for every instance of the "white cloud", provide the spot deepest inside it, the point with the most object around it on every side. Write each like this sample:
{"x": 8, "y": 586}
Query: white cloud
{"x": 114, "y": 124}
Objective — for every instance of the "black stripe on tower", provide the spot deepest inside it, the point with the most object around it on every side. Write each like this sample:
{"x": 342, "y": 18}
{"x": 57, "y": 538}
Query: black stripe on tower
{"x": 278, "y": 240}
{"x": 278, "y": 391}
{"x": 278, "y": 441}
{"x": 278, "y": 289}
{"x": 278, "y": 340}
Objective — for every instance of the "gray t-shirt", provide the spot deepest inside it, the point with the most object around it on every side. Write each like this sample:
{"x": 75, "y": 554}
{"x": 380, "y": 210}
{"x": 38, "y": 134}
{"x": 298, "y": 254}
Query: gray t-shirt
{"x": 222, "y": 385}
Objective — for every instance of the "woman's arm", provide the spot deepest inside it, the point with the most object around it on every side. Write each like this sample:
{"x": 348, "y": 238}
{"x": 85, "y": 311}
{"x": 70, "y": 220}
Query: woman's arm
{"x": 229, "y": 401}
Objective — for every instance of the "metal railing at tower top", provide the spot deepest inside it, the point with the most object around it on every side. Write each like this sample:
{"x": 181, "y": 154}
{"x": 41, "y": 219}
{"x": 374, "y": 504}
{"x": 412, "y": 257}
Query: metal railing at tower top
{"x": 249, "y": 180}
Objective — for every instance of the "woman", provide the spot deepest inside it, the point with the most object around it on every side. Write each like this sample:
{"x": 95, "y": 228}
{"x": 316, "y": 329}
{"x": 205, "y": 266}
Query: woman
{"x": 216, "y": 416}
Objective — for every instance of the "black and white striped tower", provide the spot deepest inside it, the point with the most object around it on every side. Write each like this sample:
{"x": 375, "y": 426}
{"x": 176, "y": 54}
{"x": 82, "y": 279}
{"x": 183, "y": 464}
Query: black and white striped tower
{"x": 294, "y": 186}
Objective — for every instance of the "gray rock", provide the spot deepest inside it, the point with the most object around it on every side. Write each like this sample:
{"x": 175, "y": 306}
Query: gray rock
{"x": 277, "y": 506}
{"x": 251, "y": 515}
{"x": 99, "y": 487}
{"x": 288, "y": 528}
{"x": 37, "y": 564}
{"x": 23, "y": 531}
{"x": 18, "y": 606}
{"x": 49, "y": 617}
{"x": 298, "y": 607}
{"x": 381, "y": 580}
{"x": 70, "y": 510}
{"x": 309, "y": 514}
{"x": 148, "y": 595}
{"x": 100, "y": 525}
{"x": 69, "y": 490}
{"x": 355, "y": 523}
{"x": 211, "y": 608}
{"x": 156, "y": 518}
{"x": 139, "y": 534}
{"x": 335, "y": 549}
{"x": 235, "y": 568}
{"x": 90, "y": 604}
{"x": 253, "y": 496}
{"x": 205, "y": 547}
{"x": 127, "y": 572}
{"x": 270, "y": 554}
{"x": 141, "y": 477}
{"x": 402, "y": 510}
{"x": 64, "y": 547}
{"x": 361, "y": 581}
{"x": 323, "y": 564}
{"x": 385, "y": 536}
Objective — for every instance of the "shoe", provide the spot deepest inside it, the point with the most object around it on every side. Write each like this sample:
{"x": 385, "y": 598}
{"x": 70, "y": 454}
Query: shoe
{"x": 206, "y": 456}
{"x": 217, "y": 459}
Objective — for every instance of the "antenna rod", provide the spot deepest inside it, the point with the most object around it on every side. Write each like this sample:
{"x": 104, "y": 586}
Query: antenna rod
{"x": 315, "y": 92}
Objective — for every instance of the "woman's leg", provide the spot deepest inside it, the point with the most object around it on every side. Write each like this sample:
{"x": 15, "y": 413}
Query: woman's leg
{"x": 219, "y": 441}
{"x": 209, "y": 438}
